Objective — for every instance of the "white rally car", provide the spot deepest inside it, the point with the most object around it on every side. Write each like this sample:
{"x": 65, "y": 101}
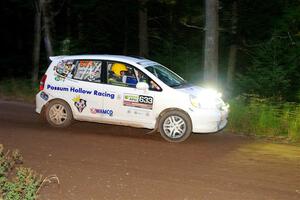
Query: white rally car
{"x": 127, "y": 91}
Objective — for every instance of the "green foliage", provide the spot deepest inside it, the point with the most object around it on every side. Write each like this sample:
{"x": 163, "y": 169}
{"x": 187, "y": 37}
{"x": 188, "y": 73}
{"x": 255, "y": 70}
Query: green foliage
{"x": 20, "y": 89}
{"x": 181, "y": 60}
{"x": 65, "y": 47}
{"x": 26, "y": 183}
{"x": 290, "y": 21}
{"x": 261, "y": 117}
{"x": 274, "y": 71}
{"x": 8, "y": 161}
{"x": 24, "y": 187}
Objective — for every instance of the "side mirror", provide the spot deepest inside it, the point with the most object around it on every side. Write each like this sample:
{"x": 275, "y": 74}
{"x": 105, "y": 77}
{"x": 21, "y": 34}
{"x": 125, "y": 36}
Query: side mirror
{"x": 142, "y": 86}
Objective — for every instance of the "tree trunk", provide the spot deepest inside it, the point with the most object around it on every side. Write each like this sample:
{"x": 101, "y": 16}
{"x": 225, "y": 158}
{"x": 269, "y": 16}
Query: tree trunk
{"x": 36, "y": 42}
{"x": 143, "y": 29}
{"x": 47, "y": 19}
{"x": 211, "y": 54}
{"x": 233, "y": 48}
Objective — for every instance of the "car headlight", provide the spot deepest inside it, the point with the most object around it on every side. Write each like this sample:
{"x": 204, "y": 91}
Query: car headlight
{"x": 211, "y": 93}
{"x": 206, "y": 99}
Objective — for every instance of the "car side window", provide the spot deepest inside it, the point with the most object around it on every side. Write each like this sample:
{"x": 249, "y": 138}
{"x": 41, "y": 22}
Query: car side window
{"x": 88, "y": 70}
{"x": 127, "y": 76}
{"x": 121, "y": 74}
{"x": 63, "y": 69}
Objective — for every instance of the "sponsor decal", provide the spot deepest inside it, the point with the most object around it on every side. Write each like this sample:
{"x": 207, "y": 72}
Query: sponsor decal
{"x": 57, "y": 88}
{"x": 63, "y": 69}
{"x": 86, "y": 63}
{"x": 139, "y": 101}
{"x": 79, "y": 103}
{"x": 82, "y": 91}
{"x": 102, "y": 111}
{"x": 138, "y": 112}
{"x": 131, "y": 97}
{"x": 44, "y": 96}
{"x": 59, "y": 78}
{"x": 104, "y": 94}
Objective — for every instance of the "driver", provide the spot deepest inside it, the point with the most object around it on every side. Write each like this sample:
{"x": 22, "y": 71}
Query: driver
{"x": 118, "y": 76}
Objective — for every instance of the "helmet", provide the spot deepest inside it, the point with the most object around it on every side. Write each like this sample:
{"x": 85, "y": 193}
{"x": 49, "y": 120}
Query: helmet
{"x": 69, "y": 62}
{"x": 118, "y": 67}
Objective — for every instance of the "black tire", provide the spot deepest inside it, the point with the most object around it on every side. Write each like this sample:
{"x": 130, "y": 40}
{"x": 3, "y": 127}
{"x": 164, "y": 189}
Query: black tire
{"x": 179, "y": 123}
{"x": 58, "y": 114}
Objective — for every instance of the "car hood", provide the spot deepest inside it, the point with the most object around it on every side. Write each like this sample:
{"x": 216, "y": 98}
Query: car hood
{"x": 192, "y": 90}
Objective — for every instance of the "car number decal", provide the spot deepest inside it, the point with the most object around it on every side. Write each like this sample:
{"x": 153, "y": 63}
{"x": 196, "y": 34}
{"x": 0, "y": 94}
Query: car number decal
{"x": 139, "y": 101}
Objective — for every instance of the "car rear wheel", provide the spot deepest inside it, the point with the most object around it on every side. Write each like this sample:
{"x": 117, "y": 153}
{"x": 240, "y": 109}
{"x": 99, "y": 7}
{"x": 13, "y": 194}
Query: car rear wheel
{"x": 58, "y": 114}
{"x": 175, "y": 126}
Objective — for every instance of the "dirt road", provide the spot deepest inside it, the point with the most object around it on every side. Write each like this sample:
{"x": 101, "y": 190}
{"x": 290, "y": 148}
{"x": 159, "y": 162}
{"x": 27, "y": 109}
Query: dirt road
{"x": 95, "y": 161}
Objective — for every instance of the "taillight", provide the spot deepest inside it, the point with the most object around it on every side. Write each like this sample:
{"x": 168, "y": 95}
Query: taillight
{"x": 42, "y": 82}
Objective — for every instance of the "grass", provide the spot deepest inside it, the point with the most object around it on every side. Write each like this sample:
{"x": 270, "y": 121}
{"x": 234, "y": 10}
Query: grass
{"x": 18, "y": 89}
{"x": 18, "y": 182}
{"x": 263, "y": 118}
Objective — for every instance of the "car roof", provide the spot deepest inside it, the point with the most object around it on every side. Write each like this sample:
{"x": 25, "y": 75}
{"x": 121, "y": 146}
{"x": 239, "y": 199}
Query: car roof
{"x": 128, "y": 59}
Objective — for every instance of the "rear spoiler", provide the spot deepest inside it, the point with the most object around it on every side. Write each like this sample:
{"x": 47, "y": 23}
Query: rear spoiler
{"x": 52, "y": 58}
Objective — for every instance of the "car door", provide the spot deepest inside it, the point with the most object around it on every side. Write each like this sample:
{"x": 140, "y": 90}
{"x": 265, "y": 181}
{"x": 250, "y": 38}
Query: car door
{"x": 131, "y": 106}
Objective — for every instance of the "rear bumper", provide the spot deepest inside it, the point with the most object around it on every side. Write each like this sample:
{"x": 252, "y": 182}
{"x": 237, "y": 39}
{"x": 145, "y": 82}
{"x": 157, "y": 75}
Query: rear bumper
{"x": 40, "y": 100}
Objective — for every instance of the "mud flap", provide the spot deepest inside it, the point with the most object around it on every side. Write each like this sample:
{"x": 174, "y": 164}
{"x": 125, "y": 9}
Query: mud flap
{"x": 154, "y": 130}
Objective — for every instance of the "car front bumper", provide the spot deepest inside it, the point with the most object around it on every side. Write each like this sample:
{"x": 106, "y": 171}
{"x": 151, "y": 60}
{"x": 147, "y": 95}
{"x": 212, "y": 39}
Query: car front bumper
{"x": 208, "y": 121}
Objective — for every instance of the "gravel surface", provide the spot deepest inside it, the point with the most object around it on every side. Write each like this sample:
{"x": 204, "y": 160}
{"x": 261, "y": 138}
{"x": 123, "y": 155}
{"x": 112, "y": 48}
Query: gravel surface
{"x": 96, "y": 161}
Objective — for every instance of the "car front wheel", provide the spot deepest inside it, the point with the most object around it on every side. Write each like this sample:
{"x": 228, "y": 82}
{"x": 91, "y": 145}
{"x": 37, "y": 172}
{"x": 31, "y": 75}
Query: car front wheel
{"x": 58, "y": 114}
{"x": 175, "y": 126}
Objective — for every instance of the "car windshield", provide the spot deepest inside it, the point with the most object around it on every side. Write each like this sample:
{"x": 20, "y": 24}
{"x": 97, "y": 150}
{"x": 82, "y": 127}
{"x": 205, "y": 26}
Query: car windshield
{"x": 166, "y": 75}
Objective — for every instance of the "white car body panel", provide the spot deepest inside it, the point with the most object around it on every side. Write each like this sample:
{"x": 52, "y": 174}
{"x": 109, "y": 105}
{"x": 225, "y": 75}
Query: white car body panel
{"x": 106, "y": 103}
